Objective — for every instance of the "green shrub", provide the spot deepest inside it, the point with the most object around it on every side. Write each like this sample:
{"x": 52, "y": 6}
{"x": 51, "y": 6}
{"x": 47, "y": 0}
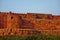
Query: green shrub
{"x": 36, "y": 37}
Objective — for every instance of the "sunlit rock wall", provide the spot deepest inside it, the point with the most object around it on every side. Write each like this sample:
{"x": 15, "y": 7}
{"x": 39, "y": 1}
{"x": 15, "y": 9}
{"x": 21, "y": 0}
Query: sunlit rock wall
{"x": 29, "y": 24}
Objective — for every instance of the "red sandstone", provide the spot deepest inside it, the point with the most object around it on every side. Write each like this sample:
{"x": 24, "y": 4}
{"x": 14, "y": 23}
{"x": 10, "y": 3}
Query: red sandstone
{"x": 28, "y": 24}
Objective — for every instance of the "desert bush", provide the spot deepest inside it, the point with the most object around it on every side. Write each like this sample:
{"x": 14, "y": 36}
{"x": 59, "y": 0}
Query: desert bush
{"x": 36, "y": 37}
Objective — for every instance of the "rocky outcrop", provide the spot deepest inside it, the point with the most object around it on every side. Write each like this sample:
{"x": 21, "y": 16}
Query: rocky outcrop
{"x": 28, "y": 24}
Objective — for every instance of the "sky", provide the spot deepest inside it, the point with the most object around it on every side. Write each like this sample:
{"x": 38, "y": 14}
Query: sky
{"x": 31, "y": 6}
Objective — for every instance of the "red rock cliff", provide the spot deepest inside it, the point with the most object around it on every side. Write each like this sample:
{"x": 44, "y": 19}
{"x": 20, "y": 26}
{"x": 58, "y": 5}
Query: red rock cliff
{"x": 28, "y": 24}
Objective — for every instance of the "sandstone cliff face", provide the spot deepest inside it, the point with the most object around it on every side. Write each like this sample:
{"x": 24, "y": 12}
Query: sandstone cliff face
{"x": 28, "y": 24}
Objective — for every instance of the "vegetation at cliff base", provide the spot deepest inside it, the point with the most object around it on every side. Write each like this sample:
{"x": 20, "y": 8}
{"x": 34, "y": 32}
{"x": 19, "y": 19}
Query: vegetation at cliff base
{"x": 36, "y": 37}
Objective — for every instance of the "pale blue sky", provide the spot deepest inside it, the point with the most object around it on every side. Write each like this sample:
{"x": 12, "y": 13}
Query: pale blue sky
{"x": 35, "y": 6}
